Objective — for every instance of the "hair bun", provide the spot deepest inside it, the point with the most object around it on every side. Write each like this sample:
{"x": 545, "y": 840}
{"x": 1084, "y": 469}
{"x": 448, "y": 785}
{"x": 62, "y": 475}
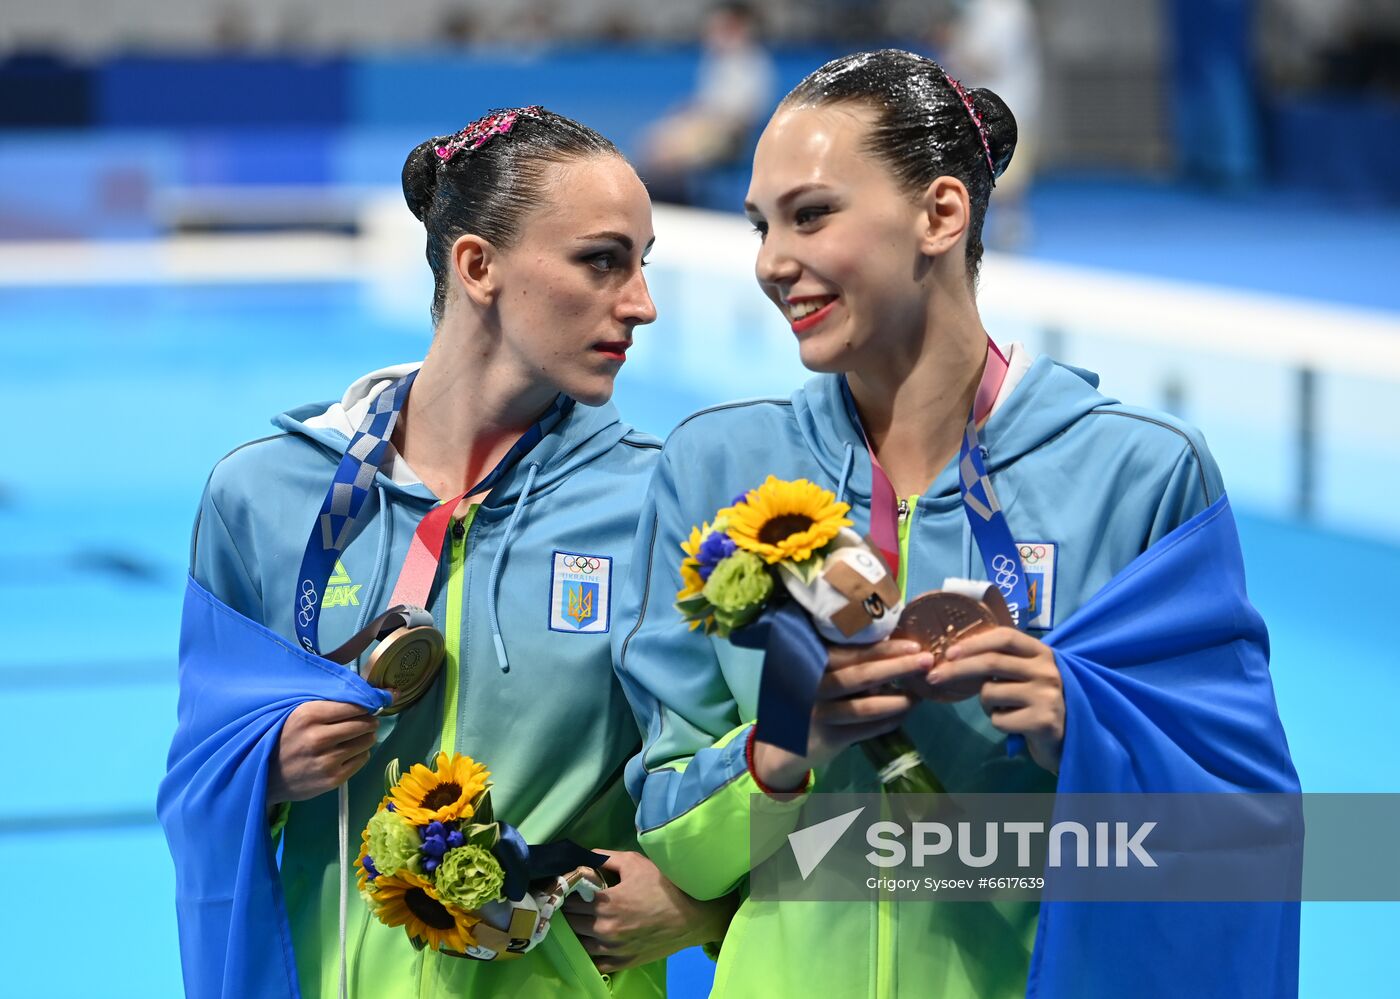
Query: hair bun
{"x": 1000, "y": 124}
{"x": 420, "y": 175}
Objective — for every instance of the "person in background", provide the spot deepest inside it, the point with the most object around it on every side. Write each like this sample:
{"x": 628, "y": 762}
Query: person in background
{"x": 993, "y": 44}
{"x": 733, "y": 94}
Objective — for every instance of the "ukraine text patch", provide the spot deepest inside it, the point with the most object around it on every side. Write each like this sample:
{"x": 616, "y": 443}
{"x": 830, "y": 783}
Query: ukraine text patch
{"x": 580, "y": 593}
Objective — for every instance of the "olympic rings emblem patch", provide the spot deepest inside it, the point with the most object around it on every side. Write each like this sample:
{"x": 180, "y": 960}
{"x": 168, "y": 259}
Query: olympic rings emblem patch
{"x": 580, "y": 593}
{"x": 1039, "y": 561}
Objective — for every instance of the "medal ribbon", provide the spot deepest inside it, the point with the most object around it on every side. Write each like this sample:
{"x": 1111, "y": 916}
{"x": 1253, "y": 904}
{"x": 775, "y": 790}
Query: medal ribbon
{"x": 1000, "y": 556}
{"x": 884, "y": 505}
{"x": 346, "y": 498}
{"x": 336, "y": 523}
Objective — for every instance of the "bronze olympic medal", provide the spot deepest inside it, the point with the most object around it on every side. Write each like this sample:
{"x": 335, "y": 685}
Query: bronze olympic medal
{"x": 406, "y": 662}
{"x": 939, "y": 619}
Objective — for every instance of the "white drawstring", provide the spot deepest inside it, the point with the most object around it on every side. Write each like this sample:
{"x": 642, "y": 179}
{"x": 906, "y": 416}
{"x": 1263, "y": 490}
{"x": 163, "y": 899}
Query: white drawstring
{"x": 344, "y": 824}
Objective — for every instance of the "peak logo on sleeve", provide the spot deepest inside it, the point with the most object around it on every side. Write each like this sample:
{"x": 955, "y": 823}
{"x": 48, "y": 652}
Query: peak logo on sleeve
{"x": 580, "y": 593}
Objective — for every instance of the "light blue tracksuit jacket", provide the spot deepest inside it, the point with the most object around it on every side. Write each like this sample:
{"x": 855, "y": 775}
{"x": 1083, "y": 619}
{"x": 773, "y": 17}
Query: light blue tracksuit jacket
{"x": 526, "y": 689}
{"x": 1087, "y": 485}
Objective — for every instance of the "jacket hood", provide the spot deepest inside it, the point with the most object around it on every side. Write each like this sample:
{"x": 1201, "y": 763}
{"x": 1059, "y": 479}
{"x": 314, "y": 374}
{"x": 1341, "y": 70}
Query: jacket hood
{"x": 1049, "y": 398}
{"x": 585, "y": 433}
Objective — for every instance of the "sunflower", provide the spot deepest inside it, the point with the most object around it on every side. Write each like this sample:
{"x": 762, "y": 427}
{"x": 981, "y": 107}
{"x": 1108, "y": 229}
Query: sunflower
{"x": 690, "y": 576}
{"x": 690, "y": 565}
{"x": 786, "y": 520}
{"x": 446, "y": 792}
{"x": 406, "y": 900}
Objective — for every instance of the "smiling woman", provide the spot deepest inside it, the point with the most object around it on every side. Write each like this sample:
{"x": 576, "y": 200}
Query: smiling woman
{"x": 536, "y": 231}
{"x": 870, "y": 186}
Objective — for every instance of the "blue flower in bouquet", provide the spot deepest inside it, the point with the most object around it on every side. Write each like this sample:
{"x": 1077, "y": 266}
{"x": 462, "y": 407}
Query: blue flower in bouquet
{"x": 716, "y": 547}
{"x": 434, "y": 841}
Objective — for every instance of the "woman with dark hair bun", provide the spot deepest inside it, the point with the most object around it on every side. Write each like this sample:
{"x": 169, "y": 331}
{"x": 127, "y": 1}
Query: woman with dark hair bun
{"x": 537, "y": 233}
{"x": 870, "y": 186}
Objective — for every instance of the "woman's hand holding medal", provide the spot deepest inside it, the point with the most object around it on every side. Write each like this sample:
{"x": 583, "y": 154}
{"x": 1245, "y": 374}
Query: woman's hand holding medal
{"x": 1017, "y": 681}
{"x": 977, "y": 652}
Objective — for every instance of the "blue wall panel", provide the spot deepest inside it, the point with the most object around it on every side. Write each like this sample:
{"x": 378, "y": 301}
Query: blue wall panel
{"x": 44, "y": 92}
{"x": 190, "y": 92}
{"x": 1339, "y": 143}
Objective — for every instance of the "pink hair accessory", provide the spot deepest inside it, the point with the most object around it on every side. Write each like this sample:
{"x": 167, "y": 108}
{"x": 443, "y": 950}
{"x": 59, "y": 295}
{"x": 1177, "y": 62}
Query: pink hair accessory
{"x": 976, "y": 117}
{"x": 482, "y": 131}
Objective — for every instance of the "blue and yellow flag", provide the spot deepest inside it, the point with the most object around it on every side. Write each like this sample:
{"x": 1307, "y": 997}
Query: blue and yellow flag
{"x": 238, "y": 684}
{"x": 1167, "y": 689}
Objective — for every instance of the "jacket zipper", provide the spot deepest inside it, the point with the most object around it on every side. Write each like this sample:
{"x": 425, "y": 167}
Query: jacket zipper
{"x": 906, "y": 517}
{"x": 452, "y": 632}
{"x": 885, "y": 930}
